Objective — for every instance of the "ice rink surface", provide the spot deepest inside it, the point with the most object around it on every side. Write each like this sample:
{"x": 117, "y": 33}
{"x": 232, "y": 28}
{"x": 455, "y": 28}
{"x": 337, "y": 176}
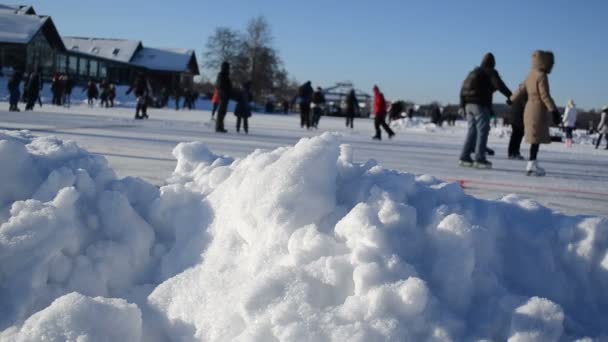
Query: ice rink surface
{"x": 576, "y": 181}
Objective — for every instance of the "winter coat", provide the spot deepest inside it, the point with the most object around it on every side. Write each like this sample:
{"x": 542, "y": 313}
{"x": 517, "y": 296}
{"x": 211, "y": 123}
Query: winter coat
{"x": 570, "y": 116}
{"x": 481, "y": 83}
{"x": 379, "y": 103}
{"x": 215, "y": 99}
{"x": 243, "y": 103}
{"x": 352, "y": 104}
{"x": 14, "y": 81}
{"x": 223, "y": 86}
{"x": 33, "y": 83}
{"x": 318, "y": 98}
{"x": 540, "y": 105}
{"x": 517, "y": 111}
{"x": 305, "y": 93}
{"x": 602, "y": 128}
{"x": 92, "y": 91}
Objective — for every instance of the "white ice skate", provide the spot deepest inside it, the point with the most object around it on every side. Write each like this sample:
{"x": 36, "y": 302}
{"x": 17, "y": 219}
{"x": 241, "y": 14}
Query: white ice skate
{"x": 532, "y": 169}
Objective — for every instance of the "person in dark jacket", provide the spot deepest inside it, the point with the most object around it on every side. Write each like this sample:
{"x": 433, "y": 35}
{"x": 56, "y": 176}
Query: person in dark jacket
{"x": 318, "y": 105}
{"x": 57, "y": 89}
{"x": 305, "y": 94}
{"x": 67, "y": 94}
{"x": 14, "y": 92}
{"x": 105, "y": 94}
{"x": 243, "y": 107}
{"x": 33, "y": 86}
{"x": 92, "y": 92}
{"x": 140, "y": 89}
{"x": 111, "y": 94}
{"x": 476, "y": 102}
{"x": 224, "y": 88}
{"x": 352, "y": 108}
{"x": 380, "y": 115}
{"x": 517, "y": 127}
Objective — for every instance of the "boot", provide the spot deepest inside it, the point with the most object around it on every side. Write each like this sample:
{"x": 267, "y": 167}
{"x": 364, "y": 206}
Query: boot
{"x": 532, "y": 169}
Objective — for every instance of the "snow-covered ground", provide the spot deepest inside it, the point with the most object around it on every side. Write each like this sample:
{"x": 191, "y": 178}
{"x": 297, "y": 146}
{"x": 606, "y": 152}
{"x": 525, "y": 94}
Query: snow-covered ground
{"x": 306, "y": 242}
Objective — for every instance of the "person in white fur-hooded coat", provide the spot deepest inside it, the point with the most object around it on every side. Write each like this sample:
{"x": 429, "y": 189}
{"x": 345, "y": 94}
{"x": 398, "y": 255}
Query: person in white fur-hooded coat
{"x": 569, "y": 121}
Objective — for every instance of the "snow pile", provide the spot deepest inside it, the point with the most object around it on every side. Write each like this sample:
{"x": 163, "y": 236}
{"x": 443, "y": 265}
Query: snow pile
{"x": 295, "y": 244}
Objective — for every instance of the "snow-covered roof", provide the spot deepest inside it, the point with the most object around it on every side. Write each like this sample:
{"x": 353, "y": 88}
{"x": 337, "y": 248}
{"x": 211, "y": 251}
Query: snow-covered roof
{"x": 178, "y": 60}
{"x": 120, "y": 50}
{"x": 16, "y": 9}
{"x": 19, "y": 29}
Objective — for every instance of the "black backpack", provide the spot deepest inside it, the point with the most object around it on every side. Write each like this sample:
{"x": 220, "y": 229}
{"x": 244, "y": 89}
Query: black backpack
{"x": 474, "y": 83}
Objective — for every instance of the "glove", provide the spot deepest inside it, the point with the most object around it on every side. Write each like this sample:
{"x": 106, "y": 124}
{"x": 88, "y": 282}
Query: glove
{"x": 557, "y": 117}
{"x": 509, "y": 102}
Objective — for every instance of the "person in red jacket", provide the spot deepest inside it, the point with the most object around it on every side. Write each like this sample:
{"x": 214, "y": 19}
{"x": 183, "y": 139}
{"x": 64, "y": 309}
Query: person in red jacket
{"x": 380, "y": 115}
{"x": 215, "y": 100}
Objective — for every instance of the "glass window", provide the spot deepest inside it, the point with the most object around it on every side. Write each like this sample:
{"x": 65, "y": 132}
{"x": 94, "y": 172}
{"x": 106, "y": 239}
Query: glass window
{"x": 62, "y": 62}
{"x": 103, "y": 70}
{"x": 83, "y": 66}
{"x": 73, "y": 65}
{"x": 93, "y": 68}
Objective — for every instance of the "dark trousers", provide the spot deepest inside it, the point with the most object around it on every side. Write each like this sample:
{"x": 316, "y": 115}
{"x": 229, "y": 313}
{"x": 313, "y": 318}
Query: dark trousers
{"x": 57, "y": 98}
{"x": 215, "y": 105}
{"x": 599, "y": 140}
{"x": 221, "y": 114}
{"x": 534, "y": 151}
{"x": 350, "y": 119}
{"x": 569, "y": 131}
{"x": 305, "y": 115}
{"x": 316, "y": 116}
{"x": 245, "y": 121}
{"x": 380, "y": 121}
{"x": 31, "y": 101}
{"x": 517, "y": 134}
{"x": 14, "y": 99}
{"x": 143, "y": 108}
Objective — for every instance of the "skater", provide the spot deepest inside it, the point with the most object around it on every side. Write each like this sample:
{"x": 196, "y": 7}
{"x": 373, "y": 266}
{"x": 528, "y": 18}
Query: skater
{"x": 602, "y": 128}
{"x": 105, "y": 94}
{"x": 569, "y": 121}
{"x": 538, "y": 110}
{"x": 305, "y": 93}
{"x": 517, "y": 127}
{"x": 476, "y": 103}
{"x": 92, "y": 92}
{"x": 224, "y": 87}
{"x": 395, "y": 110}
{"x": 352, "y": 108}
{"x": 57, "y": 90}
{"x": 243, "y": 107}
{"x": 33, "y": 86}
{"x": 215, "y": 100}
{"x": 177, "y": 94}
{"x": 436, "y": 115}
{"x": 141, "y": 92}
{"x": 318, "y": 105}
{"x": 69, "y": 86}
{"x": 380, "y": 115}
{"x": 285, "y": 105}
{"x": 111, "y": 94}
{"x": 13, "y": 86}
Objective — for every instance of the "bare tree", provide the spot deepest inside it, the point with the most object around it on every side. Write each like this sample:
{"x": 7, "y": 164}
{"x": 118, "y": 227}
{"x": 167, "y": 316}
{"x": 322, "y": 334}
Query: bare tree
{"x": 251, "y": 55}
{"x": 225, "y": 45}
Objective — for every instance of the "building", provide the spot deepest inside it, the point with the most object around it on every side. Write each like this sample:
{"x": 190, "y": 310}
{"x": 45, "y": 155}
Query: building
{"x": 31, "y": 42}
{"x": 28, "y": 41}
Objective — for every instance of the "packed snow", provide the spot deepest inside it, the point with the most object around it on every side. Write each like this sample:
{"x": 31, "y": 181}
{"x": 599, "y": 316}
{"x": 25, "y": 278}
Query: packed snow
{"x": 296, "y": 243}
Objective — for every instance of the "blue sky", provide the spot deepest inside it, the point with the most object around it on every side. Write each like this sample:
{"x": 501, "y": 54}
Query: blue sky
{"x": 415, "y": 50}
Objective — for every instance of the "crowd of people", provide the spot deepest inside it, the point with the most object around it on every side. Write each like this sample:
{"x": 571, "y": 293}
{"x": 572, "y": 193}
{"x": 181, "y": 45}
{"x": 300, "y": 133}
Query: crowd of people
{"x": 532, "y": 109}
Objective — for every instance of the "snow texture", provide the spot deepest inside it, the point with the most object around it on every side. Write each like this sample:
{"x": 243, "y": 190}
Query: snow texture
{"x": 299, "y": 243}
